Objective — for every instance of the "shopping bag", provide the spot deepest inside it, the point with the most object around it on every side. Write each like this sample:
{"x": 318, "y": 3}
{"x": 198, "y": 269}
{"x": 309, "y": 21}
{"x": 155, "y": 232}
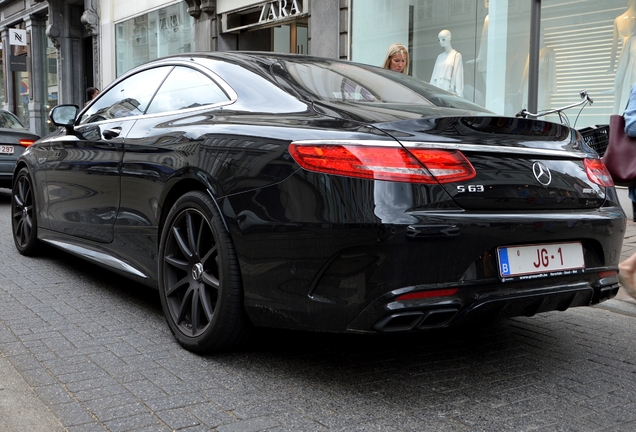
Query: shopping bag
{"x": 620, "y": 155}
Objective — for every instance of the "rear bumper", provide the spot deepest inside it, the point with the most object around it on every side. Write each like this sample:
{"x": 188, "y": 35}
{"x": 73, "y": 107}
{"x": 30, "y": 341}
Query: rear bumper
{"x": 483, "y": 303}
{"x": 340, "y": 267}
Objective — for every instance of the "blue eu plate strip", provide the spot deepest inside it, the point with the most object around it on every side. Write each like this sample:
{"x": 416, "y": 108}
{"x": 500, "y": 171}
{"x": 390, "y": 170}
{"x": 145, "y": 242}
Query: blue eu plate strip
{"x": 504, "y": 265}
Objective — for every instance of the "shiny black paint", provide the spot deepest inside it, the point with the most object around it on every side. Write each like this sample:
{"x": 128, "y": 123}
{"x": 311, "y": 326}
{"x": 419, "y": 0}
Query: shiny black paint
{"x": 322, "y": 251}
{"x": 337, "y": 255}
{"x": 83, "y": 181}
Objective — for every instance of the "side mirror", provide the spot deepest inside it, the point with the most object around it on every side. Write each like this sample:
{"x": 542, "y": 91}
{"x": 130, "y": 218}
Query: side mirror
{"x": 64, "y": 115}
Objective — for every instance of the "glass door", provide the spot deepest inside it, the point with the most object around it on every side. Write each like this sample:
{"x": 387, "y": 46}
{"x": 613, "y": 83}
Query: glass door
{"x": 291, "y": 38}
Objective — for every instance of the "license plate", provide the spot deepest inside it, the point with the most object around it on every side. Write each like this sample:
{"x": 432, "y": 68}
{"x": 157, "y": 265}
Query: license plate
{"x": 536, "y": 261}
{"x": 6, "y": 149}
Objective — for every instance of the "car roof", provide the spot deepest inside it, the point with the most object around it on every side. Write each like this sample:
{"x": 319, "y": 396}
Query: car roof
{"x": 259, "y": 58}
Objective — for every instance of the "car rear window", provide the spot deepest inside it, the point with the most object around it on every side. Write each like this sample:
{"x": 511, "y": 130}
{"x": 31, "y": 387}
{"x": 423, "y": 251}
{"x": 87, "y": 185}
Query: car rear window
{"x": 356, "y": 83}
{"x": 9, "y": 121}
{"x": 186, "y": 88}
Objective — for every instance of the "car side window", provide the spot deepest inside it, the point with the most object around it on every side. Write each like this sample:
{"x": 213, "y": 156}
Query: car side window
{"x": 128, "y": 98}
{"x": 186, "y": 88}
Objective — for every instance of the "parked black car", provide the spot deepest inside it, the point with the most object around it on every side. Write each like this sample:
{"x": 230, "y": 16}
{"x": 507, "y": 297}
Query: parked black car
{"x": 14, "y": 139}
{"x": 308, "y": 193}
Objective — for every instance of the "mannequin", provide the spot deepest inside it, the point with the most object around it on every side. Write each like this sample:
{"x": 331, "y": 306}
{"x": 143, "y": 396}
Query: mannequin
{"x": 625, "y": 28}
{"x": 448, "y": 73}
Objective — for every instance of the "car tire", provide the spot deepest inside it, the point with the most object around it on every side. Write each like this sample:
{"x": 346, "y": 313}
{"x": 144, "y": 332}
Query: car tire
{"x": 199, "y": 278}
{"x": 24, "y": 222}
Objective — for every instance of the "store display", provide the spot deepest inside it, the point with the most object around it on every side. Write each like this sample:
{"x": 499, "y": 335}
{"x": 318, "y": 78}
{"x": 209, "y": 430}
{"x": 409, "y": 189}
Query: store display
{"x": 624, "y": 30}
{"x": 448, "y": 73}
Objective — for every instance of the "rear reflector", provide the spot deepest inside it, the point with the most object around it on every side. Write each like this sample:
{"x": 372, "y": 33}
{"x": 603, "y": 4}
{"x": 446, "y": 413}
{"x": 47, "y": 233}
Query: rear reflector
{"x": 428, "y": 294}
{"x": 606, "y": 274}
{"x": 26, "y": 142}
{"x": 384, "y": 163}
{"x": 597, "y": 172}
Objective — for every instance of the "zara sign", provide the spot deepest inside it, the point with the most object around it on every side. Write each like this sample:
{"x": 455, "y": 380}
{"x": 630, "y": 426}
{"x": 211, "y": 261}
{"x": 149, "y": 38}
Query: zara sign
{"x": 262, "y": 14}
{"x": 279, "y": 9}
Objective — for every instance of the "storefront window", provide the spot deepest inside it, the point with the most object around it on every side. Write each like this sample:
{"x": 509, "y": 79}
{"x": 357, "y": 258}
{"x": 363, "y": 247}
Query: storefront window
{"x": 22, "y": 96}
{"x": 481, "y": 46}
{"x": 587, "y": 45}
{"x": 156, "y": 34}
{"x": 21, "y": 87}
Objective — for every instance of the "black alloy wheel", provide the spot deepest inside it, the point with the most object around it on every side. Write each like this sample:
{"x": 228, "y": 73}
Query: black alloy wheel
{"x": 199, "y": 279}
{"x": 23, "y": 214}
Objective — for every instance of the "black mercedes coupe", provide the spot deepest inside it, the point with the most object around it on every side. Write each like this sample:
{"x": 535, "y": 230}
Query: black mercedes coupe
{"x": 261, "y": 189}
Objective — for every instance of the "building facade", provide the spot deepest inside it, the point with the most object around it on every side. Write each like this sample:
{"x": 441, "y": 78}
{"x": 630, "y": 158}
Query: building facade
{"x": 504, "y": 54}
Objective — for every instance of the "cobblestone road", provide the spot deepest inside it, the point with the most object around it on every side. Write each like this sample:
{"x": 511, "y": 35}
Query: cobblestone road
{"x": 97, "y": 352}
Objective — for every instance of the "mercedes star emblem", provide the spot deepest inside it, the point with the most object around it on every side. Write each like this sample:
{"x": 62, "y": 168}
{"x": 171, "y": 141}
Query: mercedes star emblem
{"x": 542, "y": 173}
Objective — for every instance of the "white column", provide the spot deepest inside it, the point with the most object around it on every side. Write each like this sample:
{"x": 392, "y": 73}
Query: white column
{"x": 497, "y": 56}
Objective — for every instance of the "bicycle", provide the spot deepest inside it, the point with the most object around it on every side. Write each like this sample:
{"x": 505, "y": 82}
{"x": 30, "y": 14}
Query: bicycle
{"x": 596, "y": 136}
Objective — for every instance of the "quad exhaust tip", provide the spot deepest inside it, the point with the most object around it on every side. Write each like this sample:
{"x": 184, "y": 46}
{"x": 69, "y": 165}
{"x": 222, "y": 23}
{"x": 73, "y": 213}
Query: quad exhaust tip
{"x": 405, "y": 321}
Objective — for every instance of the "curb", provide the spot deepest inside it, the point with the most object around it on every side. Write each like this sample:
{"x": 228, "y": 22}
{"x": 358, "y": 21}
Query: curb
{"x": 618, "y": 306}
{"x": 20, "y": 408}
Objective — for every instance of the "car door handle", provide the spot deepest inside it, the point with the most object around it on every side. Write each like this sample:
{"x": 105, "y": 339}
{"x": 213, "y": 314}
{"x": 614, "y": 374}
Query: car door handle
{"x": 111, "y": 133}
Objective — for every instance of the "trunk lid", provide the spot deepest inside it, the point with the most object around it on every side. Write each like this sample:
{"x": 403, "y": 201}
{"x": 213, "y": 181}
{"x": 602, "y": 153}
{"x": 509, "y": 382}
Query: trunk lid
{"x": 521, "y": 164}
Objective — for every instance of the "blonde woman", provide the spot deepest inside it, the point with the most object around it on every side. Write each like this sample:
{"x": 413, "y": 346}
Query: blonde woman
{"x": 397, "y": 58}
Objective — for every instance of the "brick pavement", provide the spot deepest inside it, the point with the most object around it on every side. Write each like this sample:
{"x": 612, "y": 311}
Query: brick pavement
{"x": 95, "y": 350}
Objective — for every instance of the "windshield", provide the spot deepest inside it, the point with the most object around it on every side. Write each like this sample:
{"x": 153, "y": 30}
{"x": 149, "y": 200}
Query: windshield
{"x": 337, "y": 81}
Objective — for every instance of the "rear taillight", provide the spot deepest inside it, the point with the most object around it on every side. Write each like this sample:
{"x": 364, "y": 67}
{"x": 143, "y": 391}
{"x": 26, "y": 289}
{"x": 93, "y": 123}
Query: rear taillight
{"x": 391, "y": 163}
{"x": 26, "y": 142}
{"x": 597, "y": 172}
